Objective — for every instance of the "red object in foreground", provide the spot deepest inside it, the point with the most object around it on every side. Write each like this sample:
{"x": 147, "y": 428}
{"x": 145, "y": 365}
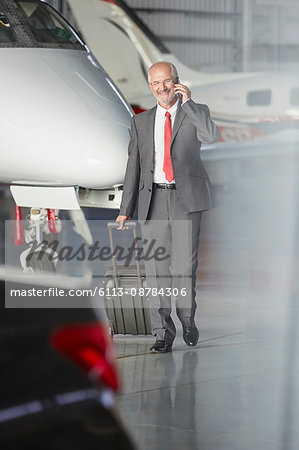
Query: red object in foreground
{"x": 52, "y": 220}
{"x": 89, "y": 347}
{"x": 18, "y": 226}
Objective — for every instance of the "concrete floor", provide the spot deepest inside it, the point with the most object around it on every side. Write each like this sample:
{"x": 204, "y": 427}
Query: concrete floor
{"x": 227, "y": 393}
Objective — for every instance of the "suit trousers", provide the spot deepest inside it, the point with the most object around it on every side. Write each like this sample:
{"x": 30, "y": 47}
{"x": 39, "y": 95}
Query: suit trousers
{"x": 172, "y": 272}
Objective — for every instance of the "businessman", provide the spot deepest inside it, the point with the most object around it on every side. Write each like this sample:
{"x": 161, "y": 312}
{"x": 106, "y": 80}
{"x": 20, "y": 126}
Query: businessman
{"x": 166, "y": 175}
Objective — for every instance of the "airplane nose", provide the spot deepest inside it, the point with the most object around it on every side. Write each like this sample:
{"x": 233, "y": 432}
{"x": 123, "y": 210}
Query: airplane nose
{"x": 99, "y": 160}
{"x": 65, "y": 122}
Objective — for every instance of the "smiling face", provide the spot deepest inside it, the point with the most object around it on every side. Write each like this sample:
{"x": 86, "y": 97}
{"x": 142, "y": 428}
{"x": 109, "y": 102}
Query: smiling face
{"x": 161, "y": 83}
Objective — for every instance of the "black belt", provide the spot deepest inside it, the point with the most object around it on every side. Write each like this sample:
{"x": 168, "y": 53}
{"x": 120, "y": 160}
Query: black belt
{"x": 164, "y": 185}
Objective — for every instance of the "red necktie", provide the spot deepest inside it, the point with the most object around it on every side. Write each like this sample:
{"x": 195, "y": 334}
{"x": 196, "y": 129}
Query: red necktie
{"x": 167, "y": 164}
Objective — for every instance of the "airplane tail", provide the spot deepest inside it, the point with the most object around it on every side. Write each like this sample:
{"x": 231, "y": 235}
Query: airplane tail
{"x": 125, "y": 46}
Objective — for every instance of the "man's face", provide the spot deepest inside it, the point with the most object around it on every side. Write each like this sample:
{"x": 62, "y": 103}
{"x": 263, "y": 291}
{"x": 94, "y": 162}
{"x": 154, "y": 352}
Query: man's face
{"x": 162, "y": 84}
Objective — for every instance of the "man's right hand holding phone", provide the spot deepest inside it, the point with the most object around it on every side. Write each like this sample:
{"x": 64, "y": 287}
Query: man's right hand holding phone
{"x": 183, "y": 91}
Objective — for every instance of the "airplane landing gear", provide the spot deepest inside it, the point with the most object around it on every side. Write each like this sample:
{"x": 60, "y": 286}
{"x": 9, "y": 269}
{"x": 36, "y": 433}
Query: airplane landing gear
{"x": 44, "y": 258}
{"x": 40, "y": 262}
{"x": 40, "y": 255}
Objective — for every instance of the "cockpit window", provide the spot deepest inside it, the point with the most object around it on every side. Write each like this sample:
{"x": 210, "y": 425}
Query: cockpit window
{"x": 6, "y": 34}
{"x": 47, "y": 26}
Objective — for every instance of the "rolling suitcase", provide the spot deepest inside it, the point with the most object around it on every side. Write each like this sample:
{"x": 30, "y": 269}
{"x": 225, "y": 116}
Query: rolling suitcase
{"x": 127, "y": 313}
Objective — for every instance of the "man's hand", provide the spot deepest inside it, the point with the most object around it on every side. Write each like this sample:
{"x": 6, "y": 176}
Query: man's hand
{"x": 121, "y": 220}
{"x": 183, "y": 90}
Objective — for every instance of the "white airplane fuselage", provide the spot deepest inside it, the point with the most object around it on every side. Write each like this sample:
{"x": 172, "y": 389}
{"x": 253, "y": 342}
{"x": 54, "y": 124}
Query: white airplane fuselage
{"x": 61, "y": 122}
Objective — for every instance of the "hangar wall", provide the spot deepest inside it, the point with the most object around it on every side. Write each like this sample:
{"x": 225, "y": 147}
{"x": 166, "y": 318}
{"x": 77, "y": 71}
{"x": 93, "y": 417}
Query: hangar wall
{"x": 232, "y": 34}
{"x": 222, "y": 35}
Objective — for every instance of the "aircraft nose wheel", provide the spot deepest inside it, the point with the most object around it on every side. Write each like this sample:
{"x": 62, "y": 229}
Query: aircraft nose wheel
{"x": 44, "y": 258}
{"x": 40, "y": 262}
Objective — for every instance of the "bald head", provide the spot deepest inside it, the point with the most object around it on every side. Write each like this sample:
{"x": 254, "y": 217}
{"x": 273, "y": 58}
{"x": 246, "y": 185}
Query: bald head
{"x": 162, "y": 66}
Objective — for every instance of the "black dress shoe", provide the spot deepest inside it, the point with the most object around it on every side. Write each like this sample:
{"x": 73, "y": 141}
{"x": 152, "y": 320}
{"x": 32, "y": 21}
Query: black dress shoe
{"x": 160, "y": 347}
{"x": 190, "y": 335}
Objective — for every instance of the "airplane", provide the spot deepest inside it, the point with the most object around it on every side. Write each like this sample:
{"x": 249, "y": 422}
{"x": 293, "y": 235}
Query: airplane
{"x": 64, "y": 125}
{"x": 244, "y": 105}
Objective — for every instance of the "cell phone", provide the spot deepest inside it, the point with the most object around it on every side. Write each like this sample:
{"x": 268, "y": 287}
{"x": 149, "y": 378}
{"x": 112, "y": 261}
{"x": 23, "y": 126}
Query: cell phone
{"x": 177, "y": 81}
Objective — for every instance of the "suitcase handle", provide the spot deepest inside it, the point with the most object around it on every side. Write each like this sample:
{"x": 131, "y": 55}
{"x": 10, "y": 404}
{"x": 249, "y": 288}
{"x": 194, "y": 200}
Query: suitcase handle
{"x": 114, "y": 226}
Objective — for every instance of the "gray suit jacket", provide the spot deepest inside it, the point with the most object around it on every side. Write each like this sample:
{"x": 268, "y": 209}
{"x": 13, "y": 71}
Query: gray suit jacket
{"x": 192, "y": 126}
